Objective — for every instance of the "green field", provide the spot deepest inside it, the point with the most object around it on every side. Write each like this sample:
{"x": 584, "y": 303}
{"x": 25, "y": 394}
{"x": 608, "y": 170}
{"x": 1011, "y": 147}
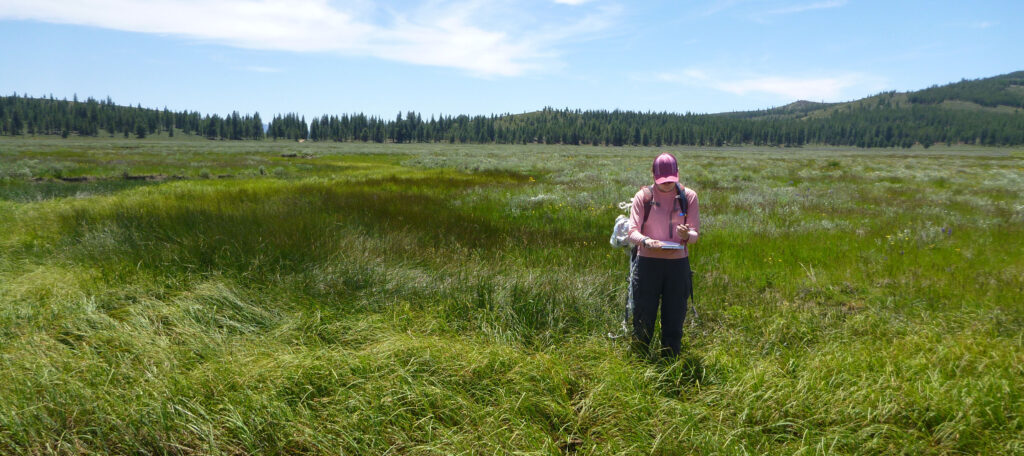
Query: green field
{"x": 211, "y": 297}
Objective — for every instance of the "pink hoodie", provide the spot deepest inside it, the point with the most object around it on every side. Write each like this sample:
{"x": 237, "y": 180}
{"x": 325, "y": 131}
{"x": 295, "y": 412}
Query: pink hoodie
{"x": 662, "y": 221}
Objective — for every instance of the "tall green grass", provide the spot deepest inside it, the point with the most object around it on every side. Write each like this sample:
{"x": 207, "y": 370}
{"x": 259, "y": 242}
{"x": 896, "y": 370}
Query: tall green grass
{"x": 454, "y": 299}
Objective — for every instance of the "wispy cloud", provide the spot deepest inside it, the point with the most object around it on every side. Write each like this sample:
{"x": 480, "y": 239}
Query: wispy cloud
{"x": 721, "y": 5}
{"x": 261, "y": 69}
{"x": 827, "y": 88}
{"x": 983, "y": 24}
{"x": 761, "y": 10}
{"x": 793, "y": 9}
{"x": 471, "y": 35}
{"x": 572, "y": 2}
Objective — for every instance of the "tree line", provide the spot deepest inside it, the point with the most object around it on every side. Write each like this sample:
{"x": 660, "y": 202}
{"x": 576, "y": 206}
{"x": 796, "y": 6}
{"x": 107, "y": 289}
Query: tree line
{"x": 24, "y": 115}
{"x": 879, "y": 123}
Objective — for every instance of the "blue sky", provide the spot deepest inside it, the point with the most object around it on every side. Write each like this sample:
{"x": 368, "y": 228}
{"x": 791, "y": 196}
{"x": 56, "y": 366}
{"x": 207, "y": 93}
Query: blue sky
{"x": 480, "y": 57}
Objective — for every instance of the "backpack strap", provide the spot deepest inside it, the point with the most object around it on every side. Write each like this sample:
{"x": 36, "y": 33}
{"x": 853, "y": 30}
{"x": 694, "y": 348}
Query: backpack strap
{"x": 681, "y": 199}
{"x": 647, "y": 206}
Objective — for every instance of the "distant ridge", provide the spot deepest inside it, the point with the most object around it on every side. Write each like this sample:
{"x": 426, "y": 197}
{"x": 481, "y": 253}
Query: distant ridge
{"x": 1003, "y": 93}
{"x": 985, "y": 111}
{"x": 795, "y": 109}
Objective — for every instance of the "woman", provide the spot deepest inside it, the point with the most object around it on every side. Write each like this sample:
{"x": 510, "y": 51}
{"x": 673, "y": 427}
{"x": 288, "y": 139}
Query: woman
{"x": 663, "y": 266}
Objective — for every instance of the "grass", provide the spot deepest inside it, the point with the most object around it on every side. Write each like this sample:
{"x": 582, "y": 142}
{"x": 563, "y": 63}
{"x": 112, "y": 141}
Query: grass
{"x": 425, "y": 298}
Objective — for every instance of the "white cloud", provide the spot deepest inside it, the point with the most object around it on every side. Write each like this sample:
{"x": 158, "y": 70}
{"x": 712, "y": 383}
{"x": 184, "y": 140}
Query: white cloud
{"x": 467, "y": 35}
{"x": 572, "y": 2}
{"x": 984, "y": 24}
{"x": 827, "y": 88}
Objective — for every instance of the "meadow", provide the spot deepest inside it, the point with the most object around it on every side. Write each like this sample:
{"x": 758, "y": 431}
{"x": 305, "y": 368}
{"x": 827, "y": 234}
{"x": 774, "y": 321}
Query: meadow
{"x": 257, "y": 297}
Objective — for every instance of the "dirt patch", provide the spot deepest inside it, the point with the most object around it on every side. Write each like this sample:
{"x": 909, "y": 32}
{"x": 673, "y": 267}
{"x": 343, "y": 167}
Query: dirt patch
{"x": 78, "y": 179}
{"x": 853, "y": 306}
{"x": 570, "y": 445}
{"x": 145, "y": 177}
{"x": 126, "y": 177}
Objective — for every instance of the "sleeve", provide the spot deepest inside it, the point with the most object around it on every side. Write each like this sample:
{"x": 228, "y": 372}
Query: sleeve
{"x": 692, "y": 215}
{"x": 636, "y": 215}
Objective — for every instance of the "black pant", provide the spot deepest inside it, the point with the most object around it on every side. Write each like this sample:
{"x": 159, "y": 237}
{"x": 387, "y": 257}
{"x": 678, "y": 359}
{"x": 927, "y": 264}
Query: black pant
{"x": 670, "y": 281}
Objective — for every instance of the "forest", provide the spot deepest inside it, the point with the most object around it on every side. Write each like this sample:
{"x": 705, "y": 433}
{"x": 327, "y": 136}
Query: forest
{"x": 980, "y": 112}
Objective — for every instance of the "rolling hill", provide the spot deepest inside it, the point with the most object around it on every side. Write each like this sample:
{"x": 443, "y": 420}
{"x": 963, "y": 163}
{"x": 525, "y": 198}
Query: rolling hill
{"x": 999, "y": 94}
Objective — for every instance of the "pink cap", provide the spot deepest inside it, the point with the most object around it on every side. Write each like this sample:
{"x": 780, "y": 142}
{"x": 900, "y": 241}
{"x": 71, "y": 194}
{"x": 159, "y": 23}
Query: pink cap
{"x": 665, "y": 169}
